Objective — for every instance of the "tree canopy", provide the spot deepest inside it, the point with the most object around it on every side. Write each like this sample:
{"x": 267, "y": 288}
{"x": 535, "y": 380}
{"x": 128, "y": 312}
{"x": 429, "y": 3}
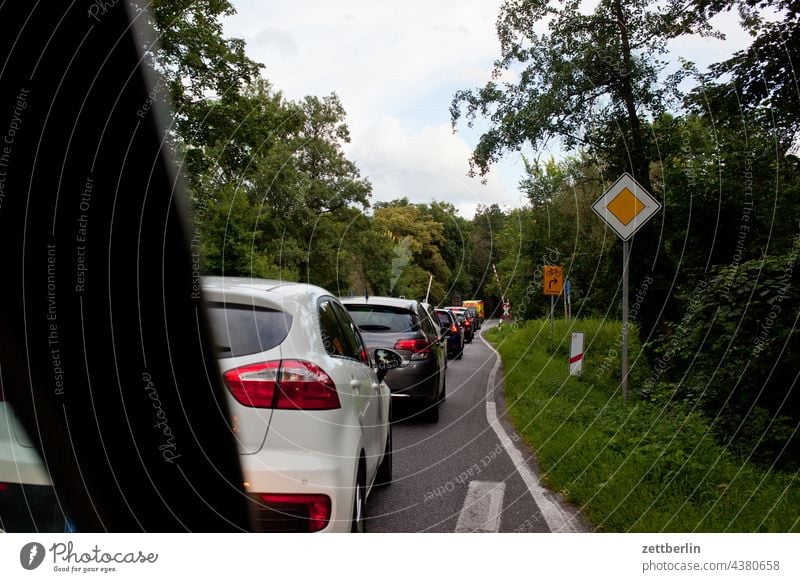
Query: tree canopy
{"x": 587, "y": 79}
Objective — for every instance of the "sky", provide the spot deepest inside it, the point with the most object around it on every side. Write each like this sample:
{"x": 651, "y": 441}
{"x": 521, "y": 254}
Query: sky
{"x": 396, "y": 66}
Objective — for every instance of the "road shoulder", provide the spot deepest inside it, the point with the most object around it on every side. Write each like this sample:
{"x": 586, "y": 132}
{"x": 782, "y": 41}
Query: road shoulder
{"x": 560, "y": 515}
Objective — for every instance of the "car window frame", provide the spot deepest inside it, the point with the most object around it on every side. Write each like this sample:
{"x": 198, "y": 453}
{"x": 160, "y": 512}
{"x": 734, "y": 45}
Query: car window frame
{"x": 434, "y": 321}
{"x": 349, "y": 325}
{"x": 358, "y": 345}
{"x": 425, "y": 324}
{"x": 324, "y": 333}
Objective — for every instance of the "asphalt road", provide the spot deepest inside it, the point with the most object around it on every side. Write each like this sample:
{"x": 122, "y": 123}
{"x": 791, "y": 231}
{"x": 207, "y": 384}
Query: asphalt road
{"x": 464, "y": 473}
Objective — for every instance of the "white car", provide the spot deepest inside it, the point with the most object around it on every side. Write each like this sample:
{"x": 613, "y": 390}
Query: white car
{"x": 311, "y": 414}
{"x": 309, "y": 408}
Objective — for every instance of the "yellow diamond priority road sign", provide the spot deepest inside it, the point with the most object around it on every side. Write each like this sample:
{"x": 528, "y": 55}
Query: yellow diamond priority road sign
{"x": 626, "y": 206}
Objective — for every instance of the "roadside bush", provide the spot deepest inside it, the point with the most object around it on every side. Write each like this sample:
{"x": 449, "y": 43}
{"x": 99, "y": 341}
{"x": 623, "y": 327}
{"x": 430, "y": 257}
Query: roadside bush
{"x": 735, "y": 356}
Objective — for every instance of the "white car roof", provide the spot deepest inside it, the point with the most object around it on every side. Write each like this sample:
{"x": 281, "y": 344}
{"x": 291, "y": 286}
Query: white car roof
{"x": 287, "y": 295}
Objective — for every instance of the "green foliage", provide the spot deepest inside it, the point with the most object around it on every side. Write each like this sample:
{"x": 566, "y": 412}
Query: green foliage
{"x": 644, "y": 467}
{"x": 588, "y": 80}
{"x": 333, "y": 181}
{"x": 417, "y": 241}
{"x": 757, "y": 77}
{"x": 455, "y": 248}
{"x": 227, "y": 235}
{"x": 281, "y": 191}
{"x": 195, "y": 60}
{"x": 487, "y": 224}
{"x": 714, "y": 180}
{"x": 735, "y": 356}
{"x": 559, "y": 228}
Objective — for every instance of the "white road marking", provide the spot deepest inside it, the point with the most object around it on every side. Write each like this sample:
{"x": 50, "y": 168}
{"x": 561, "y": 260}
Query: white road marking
{"x": 557, "y": 520}
{"x": 482, "y": 508}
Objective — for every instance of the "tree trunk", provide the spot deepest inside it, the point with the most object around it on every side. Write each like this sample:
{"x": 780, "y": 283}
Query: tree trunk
{"x": 640, "y": 164}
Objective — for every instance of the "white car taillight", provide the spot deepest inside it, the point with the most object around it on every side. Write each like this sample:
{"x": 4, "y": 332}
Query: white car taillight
{"x": 314, "y": 510}
{"x": 283, "y": 384}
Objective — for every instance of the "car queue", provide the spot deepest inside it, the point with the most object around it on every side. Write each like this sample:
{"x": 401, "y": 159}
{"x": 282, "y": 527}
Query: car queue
{"x": 312, "y": 384}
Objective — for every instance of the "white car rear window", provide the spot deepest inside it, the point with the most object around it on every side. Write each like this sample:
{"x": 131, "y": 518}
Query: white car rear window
{"x": 240, "y": 330}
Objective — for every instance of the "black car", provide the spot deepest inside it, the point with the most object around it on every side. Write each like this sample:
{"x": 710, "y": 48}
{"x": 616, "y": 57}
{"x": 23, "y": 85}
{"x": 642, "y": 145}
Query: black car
{"x": 465, "y": 321}
{"x": 448, "y": 322}
{"x": 473, "y": 311}
{"x": 405, "y": 326}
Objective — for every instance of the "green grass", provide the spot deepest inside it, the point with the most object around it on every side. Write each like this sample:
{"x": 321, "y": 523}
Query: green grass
{"x": 638, "y": 467}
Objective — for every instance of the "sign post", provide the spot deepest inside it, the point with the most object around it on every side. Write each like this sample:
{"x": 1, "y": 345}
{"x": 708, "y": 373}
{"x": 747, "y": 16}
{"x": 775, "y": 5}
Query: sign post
{"x": 553, "y": 285}
{"x": 626, "y": 207}
{"x": 576, "y": 354}
{"x": 626, "y": 254}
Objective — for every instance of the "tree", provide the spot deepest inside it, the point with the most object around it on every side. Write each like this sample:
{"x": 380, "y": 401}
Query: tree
{"x": 281, "y": 188}
{"x": 762, "y": 77}
{"x": 588, "y": 76}
{"x": 334, "y": 180}
{"x": 371, "y": 252}
{"x": 195, "y": 59}
{"x": 416, "y": 240}
{"x": 594, "y": 80}
{"x": 455, "y": 247}
{"x": 487, "y": 223}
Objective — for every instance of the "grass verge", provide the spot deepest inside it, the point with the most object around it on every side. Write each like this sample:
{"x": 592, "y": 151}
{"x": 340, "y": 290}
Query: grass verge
{"x": 638, "y": 467}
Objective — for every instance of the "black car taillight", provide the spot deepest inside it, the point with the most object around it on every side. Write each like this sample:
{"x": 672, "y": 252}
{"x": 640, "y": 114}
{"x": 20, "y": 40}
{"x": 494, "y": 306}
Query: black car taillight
{"x": 420, "y": 348}
{"x": 283, "y": 384}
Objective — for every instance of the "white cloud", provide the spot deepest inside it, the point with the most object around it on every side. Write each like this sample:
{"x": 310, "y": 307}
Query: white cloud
{"x": 395, "y": 67}
{"x": 425, "y": 165}
{"x": 704, "y": 51}
{"x": 374, "y": 55}
{"x": 276, "y": 38}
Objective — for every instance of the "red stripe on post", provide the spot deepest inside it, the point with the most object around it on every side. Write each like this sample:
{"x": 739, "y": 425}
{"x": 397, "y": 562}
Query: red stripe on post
{"x": 577, "y": 358}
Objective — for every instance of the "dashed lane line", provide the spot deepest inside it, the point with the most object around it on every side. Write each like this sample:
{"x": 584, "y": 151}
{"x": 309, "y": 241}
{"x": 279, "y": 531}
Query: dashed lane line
{"x": 482, "y": 509}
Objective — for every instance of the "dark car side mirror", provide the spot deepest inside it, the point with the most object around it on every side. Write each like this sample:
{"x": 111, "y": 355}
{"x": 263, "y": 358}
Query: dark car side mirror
{"x": 386, "y": 360}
